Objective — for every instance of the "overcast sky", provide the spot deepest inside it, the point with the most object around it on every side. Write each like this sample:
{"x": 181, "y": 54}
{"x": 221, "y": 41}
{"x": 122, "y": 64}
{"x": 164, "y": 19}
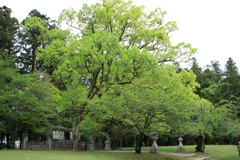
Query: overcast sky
{"x": 211, "y": 26}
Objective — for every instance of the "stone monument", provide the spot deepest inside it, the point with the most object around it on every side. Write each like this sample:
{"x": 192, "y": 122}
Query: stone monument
{"x": 49, "y": 142}
{"x": 90, "y": 144}
{"x": 58, "y": 133}
{"x": 180, "y": 148}
{"x": 108, "y": 144}
{"x": 24, "y": 139}
{"x": 154, "y": 148}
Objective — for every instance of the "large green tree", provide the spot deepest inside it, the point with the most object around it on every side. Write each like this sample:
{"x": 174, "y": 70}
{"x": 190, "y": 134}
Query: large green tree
{"x": 159, "y": 102}
{"x": 117, "y": 44}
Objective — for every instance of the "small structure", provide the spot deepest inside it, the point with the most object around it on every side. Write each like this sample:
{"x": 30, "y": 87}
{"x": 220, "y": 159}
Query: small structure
{"x": 58, "y": 133}
{"x": 108, "y": 144}
{"x": 180, "y": 148}
{"x": 53, "y": 141}
{"x": 154, "y": 148}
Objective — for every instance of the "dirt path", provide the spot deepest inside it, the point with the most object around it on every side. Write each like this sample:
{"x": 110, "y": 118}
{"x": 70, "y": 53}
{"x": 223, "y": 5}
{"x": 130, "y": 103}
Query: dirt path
{"x": 189, "y": 156}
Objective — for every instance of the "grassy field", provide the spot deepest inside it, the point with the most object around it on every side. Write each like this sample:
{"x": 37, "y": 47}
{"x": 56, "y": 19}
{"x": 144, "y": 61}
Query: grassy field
{"x": 217, "y": 152}
{"x": 83, "y": 155}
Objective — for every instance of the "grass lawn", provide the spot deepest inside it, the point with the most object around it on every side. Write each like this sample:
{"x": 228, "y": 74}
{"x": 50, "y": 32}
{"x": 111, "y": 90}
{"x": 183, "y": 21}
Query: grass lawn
{"x": 217, "y": 152}
{"x": 83, "y": 155}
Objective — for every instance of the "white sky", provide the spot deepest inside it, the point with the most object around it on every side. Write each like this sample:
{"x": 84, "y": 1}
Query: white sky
{"x": 211, "y": 26}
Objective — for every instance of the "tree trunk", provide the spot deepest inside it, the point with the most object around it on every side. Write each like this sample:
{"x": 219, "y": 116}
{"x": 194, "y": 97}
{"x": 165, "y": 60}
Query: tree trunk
{"x": 75, "y": 134}
{"x": 75, "y": 129}
{"x": 148, "y": 142}
{"x": 121, "y": 143}
{"x": 14, "y": 137}
{"x": 20, "y": 133}
{"x": 8, "y": 141}
{"x": 200, "y": 144}
{"x": 2, "y": 136}
{"x": 139, "y": 142}
{"x": 34, "y": 63}
{"x": 75, "y": 137}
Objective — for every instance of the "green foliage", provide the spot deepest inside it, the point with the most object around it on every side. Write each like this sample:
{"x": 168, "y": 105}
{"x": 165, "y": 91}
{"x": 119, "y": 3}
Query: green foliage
{"x": 132, "y": 27}
{"x": 123, "y": 53}
{"x": 220, "y": 88}
{"x": 232, "y": 79}
{"x": 118, "y": 44}
{"x": 8, "y": 31}
{"x": 31, "y": 37}
{"x": 27, "y": 102}
{"x": 160, "y": 102}
{"x": 117, "y": 76}
{"x": 92, "y": 127}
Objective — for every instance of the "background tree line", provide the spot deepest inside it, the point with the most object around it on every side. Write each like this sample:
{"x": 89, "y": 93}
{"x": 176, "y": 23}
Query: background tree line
{"x": 119, "y": 75}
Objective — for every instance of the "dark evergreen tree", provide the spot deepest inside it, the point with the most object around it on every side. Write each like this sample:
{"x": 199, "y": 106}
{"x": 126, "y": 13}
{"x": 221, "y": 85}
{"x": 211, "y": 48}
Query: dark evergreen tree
{"x": 197, "y": 70}
{"x": 8, "y": 30}
{"x": 232, "y": 79}
{"x": 218, "y": 73}
{"x": 232, "y": 90}
{"x": 212, "y": 84}
{"x": 30, "y": 43}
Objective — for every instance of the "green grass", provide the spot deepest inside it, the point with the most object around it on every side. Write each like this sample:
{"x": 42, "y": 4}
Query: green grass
{"x": 216, "y": 152}
{"x": 82, "y": 155}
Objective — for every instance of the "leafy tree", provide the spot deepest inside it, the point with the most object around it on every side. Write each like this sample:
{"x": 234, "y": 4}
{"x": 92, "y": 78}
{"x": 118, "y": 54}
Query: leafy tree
{"x": 117, "y": 43}
{"x": 72, "y": 98}
{"x": 155, "y": 102}
{"x": 6, "y": 74}
{"x": 27, "y": 102}
{"x": 208, "y": 120}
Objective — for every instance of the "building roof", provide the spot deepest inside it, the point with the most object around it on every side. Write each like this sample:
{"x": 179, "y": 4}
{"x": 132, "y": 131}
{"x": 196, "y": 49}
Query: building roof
{"x": 59, "y": 128}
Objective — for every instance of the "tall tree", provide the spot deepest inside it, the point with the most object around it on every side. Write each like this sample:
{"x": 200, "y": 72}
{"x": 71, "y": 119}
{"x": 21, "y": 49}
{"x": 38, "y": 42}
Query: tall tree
{"x": 8, "y": 30}
{"x": 232, "y": 92}
{"x": 197, "y": 70}
{"x": 213, "y": 84}
{"x": 30, "y": 41}
{"x": 232, "y": 79}
{"x": 117, "y": 43}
